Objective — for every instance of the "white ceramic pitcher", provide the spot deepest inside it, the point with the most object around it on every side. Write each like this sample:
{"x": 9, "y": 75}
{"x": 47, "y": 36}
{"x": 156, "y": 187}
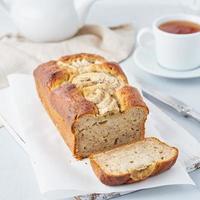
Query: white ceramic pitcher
{"x": 48, "y": 20}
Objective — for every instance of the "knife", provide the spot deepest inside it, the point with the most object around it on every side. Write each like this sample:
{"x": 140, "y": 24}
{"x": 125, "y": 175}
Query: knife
{"x": 174, "y": 103}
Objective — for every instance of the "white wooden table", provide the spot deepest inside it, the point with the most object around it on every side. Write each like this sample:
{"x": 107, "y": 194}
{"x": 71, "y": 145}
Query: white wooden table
{"x": 17, "y": 180}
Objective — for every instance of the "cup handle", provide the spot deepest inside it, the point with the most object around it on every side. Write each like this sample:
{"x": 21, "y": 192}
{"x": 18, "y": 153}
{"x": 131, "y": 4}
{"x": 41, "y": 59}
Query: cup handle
{"x": 141, "y": 35}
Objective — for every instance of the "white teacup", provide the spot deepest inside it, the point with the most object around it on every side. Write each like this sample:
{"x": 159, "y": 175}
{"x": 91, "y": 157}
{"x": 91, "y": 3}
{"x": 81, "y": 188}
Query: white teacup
{"x": 174, "y": 51}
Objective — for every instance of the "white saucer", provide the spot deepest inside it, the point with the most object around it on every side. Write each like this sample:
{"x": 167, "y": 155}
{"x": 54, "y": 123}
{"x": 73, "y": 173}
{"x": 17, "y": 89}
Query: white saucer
{"x": 145, "y": 59}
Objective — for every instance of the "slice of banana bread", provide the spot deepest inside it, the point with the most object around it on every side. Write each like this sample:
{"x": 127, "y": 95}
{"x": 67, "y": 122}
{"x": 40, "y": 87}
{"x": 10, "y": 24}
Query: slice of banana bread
{"x": 91, "y": 103}
{"x": 133, "y": 162}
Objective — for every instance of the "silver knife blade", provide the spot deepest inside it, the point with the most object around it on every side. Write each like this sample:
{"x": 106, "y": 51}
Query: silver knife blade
{"x": 174, "y": 103}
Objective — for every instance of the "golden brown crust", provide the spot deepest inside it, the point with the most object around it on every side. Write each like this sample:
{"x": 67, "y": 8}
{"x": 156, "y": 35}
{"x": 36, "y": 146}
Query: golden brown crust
{"x": 129, "y": 97}
{"x": 114, "y": 69}
{"x": 134, "y": 176}
{"x": 91, "y": 57}
{"x": 62, "y": 98}
{"x": 58, "y": 120}
{"x": 70, "y": 103}
{"x": 106, "y": 178}
{"x": 45, "y": 73}
{"x": 102, "y": 64}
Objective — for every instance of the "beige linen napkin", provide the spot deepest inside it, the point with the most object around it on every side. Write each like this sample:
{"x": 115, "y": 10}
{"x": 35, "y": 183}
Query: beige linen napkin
{"x": 17, "y": 54}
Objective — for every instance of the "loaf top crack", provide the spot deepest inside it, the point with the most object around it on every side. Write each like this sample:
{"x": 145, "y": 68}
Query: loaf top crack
{"x": 88, "y": 83}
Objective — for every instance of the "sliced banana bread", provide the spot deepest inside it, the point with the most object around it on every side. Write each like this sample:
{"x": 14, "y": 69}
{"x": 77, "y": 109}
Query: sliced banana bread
{"x": 133, "y": 162}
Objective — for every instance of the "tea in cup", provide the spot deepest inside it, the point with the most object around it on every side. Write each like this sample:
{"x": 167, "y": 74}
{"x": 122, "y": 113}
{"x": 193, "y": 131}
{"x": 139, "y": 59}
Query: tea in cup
{"x": 177, "y": 41}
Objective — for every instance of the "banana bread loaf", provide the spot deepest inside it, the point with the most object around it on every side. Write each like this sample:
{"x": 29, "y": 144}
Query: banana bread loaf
{"x": 91, "y": 103}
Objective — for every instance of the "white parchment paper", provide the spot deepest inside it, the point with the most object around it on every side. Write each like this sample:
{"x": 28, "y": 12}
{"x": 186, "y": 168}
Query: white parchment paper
{"x": 59, "y": 175}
